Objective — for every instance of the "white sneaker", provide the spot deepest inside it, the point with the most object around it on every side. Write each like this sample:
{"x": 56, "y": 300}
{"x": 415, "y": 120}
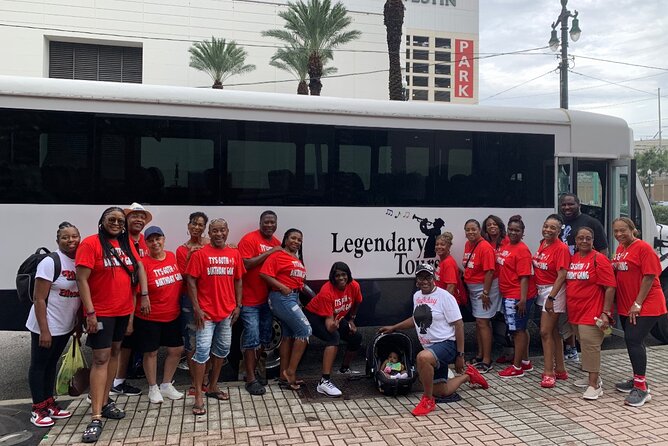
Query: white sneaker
{"x": 328, "y": 388}
{"x": 584, "y": 382}
{"x": 154, "y": 395}
{"x": 592, "y": 393}
{"x": 167, "y": 390}
{"x": 348, "y": 371}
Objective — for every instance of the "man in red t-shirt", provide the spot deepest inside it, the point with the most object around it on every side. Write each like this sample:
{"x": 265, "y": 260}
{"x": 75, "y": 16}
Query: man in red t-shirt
{"x": 136, "y": 217}
{"x": 255, "y": 315}
{"x": 214, "y": 283}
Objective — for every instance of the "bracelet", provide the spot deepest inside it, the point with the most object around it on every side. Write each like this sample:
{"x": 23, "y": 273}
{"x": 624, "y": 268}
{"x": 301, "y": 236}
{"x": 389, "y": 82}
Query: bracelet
{"x": 551, "y": 298}
{"x": 144, "y": 293}
{"x": 485, "y": 293}
{"x": 90, "y": 313}
{"x": 608, "y": 313}
{"x": 637, "y": 305}
{"x": 460, "y": 354}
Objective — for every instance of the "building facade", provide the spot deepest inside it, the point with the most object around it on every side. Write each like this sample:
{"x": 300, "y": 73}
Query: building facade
{"x": 147, "y": 42}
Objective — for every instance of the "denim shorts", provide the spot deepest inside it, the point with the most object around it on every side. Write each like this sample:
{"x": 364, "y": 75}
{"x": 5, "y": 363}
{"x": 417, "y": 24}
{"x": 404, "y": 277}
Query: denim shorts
{"x": 188, "y": 327}
{"x": 475, "y": 296}
{"x": 293, "y": 321}
{"x": 215, "y": 338}
{"x": 513, "y": 320}
{"x": 257, "y": 322}
{"x": 445, "y": 353}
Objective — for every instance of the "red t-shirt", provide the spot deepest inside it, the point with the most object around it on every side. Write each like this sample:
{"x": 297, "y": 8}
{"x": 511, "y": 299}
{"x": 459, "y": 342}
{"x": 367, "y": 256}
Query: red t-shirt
{"x": 482, "y": 260}
{"x": 547, "y": 262}
{"x": 331, "y": 301}
{"x": 252, "y": 245}
{"x": 585, "y": 281}
{"x": 140, "y": 246}
{"x": 447, "y": 272}
{"x": 514, "y": 262}
{"x": 503, "y": 243}
{"x": 286, "y": 269}
{"x": 164, "y": 288}
{"x": 216, "y": 270}
{"x": 630, "y": 265}
{"x": 110, "y": 285}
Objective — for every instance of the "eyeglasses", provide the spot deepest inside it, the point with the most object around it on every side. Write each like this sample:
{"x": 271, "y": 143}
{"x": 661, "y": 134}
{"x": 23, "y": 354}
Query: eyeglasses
{"x": 114, "y": 220}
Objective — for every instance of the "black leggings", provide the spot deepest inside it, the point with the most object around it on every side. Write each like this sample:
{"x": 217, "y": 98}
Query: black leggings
{"x": 354, "y": 340}
{"x": 43, "y": 363}
{"x": 635, "y": 335}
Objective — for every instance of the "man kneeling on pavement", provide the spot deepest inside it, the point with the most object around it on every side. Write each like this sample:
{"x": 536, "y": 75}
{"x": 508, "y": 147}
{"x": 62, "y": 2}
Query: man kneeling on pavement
{"x": 440, "y": 330}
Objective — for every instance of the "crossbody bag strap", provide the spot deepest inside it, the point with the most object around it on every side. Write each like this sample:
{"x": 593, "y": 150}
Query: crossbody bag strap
{"x": 468, "y": 262}
{"x": 125, "y": 267}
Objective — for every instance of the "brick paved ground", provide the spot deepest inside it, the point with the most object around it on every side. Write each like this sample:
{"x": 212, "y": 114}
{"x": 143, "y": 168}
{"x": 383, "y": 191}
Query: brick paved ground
{"x": 511, "y": 412}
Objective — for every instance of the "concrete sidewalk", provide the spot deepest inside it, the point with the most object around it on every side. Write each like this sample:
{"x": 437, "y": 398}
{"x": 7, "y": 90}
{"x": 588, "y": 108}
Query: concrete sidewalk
{"x": 512, "y": 412}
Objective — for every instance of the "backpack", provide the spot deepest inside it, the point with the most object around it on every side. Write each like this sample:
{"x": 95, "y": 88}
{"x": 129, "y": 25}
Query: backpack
{"x": 25, "y": 277}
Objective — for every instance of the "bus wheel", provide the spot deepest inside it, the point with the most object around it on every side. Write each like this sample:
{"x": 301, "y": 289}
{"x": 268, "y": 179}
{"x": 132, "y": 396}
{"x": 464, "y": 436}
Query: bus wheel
{"x": 660, "y": 330}
{"x": 273, "y": 356}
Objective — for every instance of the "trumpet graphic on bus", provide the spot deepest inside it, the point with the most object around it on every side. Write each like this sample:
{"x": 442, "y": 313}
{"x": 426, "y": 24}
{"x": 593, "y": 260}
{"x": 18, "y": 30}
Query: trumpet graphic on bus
{"x": 431, "y": 229}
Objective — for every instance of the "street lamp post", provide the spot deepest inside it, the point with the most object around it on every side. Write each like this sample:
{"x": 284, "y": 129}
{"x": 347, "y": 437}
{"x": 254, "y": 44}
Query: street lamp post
{"x": 649, "y": 185}
{"x": 554, "y": 46}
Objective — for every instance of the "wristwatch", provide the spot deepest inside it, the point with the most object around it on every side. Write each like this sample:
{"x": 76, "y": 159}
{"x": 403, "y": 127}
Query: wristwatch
{"x": 460, "y": 354}
{"x": 552, "y": 298}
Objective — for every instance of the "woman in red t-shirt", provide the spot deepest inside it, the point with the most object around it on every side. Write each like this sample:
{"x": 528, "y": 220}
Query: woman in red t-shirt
{"x": 285, "y": 274}
{"x": 331, "y": 314}
{"x": 448, "y": 275}
{"x": 479, "y": 267}
{"x": 108, "y": 272}
{"x": 550, "y": 264}
{"x": 590, "y": 292}
{"x": 159, "y": 324}
{"x": 640, "y": 302}
{"x": 494, "y": 231}
{"x": 518, "y": 288}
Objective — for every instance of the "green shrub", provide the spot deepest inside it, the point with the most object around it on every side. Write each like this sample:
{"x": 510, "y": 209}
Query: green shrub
{"x": 660, "y": 214}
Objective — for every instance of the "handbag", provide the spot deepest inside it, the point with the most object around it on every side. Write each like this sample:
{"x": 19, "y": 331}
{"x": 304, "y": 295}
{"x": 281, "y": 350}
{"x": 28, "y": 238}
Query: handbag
{"x": 81, "y": 379}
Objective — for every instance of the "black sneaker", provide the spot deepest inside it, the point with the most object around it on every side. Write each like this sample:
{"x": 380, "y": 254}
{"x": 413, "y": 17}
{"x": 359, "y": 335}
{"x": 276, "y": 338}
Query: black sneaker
{"x": 125, "y": 389}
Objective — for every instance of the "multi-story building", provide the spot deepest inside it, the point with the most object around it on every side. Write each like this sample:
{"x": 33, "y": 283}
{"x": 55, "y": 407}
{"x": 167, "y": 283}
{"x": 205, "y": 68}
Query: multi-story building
{"x": 147, "y": 41}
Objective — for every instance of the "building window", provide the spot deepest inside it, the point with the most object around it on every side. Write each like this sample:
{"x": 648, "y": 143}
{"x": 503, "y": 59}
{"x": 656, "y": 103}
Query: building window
{"x": 442, "y": 82}
{"x": 442, "y": 96}
{"x": 442, "y": 56}
{"x": 442, "y": 68}
{"x": 421, "y": 68}
{"x": 420, "y": 95}
{"x": 421, "y": 54}
{"x": 420, "y": 41}
{"x": 95, "y": 62}
{"x": 442, "y": 43}
{"x": 420, "y": 81}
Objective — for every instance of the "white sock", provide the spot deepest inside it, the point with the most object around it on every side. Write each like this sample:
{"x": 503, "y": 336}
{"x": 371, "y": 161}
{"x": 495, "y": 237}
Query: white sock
{"x": 118, "y": 382}
{"x": 153, "y": 387}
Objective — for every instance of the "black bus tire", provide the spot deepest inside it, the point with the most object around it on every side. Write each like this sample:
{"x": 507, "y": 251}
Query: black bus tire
{"x": 660, "y": 330}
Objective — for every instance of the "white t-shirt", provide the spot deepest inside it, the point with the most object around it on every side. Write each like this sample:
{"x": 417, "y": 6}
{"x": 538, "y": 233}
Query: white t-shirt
{"x": 434, "y": 314}
{"x": 64, "y": 302}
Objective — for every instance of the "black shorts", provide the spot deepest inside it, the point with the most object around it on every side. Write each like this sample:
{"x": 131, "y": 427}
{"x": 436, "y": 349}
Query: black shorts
{"x": 354, "y": 340}
{"x": 129, "y": 341}
{"x": 113, "y": 330}
{"x": 150, "y": 335}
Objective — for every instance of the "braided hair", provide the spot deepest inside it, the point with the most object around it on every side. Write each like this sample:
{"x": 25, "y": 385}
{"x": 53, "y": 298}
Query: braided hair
{"x": 123, "y": 240}
{"x": 300, "y": 254}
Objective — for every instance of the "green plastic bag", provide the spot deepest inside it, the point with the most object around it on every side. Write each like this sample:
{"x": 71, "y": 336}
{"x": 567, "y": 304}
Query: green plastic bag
{"x": 73, "y": 361}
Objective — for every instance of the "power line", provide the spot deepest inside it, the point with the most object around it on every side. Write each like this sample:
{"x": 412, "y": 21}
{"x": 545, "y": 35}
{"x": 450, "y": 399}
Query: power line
{"x": 612, "y": 83}
{"x": 518, "y": 85}
{"x": 622, "y": 63}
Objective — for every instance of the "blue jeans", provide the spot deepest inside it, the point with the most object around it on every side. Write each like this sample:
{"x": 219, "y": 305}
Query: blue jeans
{"x": 215, "y": 338}
{"x": 257, "y": 322}
{"x": 514, "y": 321}
{"x": 445, "y": 353}
{"x": 293, "y": 321}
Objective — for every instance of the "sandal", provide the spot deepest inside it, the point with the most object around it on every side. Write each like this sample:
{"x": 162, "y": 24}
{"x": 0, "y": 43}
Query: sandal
{"x": 92, "y": 432}
{"x": 483, "y": 367}
{"x": 284, "y": 382}
{"x": 199, "y": 410}
{"x": 219, "y": 395}
{"x": 255, "y": 388}
{"x": 548, "y": 381}
{"x": 476, "y": 360}
{"x": 112, "y": 412}
{"x": 191, "y": 390}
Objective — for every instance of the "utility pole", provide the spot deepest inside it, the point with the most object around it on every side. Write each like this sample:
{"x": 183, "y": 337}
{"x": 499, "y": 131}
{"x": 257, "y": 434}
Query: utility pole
{"x": 554, "y": 46}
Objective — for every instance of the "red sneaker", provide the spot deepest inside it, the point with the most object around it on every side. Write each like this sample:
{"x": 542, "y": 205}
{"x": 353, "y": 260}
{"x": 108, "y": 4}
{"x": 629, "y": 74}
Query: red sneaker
{"x": 425, "y": 406}
{"x": 40, "y": 417}
{"x": 527, "y": 366}
{"x": 55, "y": 411}
{"x": 511, "y": 372}
{"x": 475, "y": 378}
{"x": 562, "y": 376}
{"x": 548, "y": 381}
{"x": 503, "y": 359}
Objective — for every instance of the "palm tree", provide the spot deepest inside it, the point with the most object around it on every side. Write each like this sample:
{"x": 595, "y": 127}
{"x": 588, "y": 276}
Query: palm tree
{"x": 295, "y": 61}
{"x": 219, "y": 59}
{"x": 318, "y": 27}
{"x": 393, "y": 15}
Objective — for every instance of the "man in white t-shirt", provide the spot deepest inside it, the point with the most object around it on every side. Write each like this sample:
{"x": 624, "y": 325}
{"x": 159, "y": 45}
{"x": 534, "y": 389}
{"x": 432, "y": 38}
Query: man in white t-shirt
{"x": 440, "y": 329}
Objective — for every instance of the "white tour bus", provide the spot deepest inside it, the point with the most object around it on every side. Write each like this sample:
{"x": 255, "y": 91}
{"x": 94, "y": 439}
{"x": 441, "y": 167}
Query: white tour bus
{"x": 368, "y": 182}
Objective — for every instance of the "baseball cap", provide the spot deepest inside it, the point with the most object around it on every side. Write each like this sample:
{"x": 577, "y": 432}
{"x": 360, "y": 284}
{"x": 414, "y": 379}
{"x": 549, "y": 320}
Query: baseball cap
{"x": 153, "y": 230}
{"x": 136, "y": 207}
{"x": 424, "y": 267}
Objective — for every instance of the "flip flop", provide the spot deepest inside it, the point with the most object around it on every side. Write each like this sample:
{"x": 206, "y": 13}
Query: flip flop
{"x": 219, "y": 395}
{"x": 199, "y": 410}
{"x": 284, "y": 382}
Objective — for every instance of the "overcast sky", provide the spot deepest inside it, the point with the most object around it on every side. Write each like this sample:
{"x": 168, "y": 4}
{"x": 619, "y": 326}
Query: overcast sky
{"x": 630, "y": 31}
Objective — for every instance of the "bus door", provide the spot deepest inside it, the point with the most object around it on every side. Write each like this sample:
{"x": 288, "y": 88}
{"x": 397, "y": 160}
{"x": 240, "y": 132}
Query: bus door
{"x": 621, "y": 195}
{"x": 587, "y": 178}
